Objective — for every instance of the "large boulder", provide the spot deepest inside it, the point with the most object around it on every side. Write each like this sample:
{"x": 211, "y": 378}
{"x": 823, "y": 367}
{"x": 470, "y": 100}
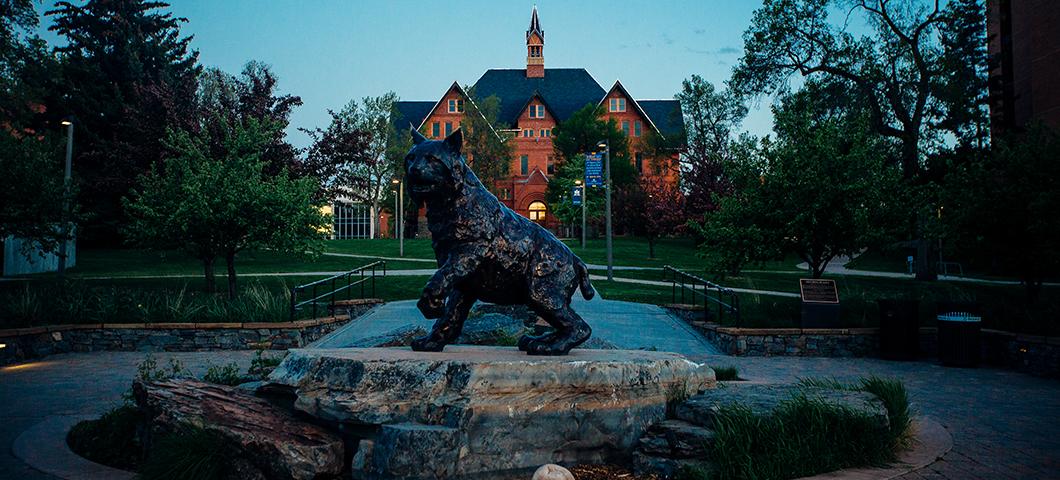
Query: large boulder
{"x": 471, "y": 409}
{"x": 762, "y": 400}
{"x": 269, "y": 442}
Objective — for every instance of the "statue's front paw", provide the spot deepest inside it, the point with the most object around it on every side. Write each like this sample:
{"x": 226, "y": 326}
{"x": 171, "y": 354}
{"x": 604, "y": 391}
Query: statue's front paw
{"x": 427, "y": 344}
{"x": 431, "y": 306}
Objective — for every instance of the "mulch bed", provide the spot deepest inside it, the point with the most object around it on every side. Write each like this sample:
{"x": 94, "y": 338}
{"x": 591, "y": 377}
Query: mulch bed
{"x": 607, "y": 472}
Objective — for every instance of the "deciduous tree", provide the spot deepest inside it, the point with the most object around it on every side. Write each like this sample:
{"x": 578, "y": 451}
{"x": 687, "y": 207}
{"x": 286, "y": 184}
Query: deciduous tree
{"x": 487, "y": 145}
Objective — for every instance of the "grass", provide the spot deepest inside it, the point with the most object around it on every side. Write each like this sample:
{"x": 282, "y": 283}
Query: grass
{"x": 228, "y": 374}
{"x": 805, "y": 436}
{"x": 111, "y": 439}
{"x": 192, "y": 454}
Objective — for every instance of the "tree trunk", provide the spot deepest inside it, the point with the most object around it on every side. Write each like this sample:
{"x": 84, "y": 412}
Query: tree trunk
{"x": 207, "y": 267}
{"x": 375, "y": 219}
{"x": 230, "y": 261}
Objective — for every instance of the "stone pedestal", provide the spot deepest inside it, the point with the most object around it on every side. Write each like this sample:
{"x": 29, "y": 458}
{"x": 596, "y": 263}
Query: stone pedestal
{"x": 472, "y": 410}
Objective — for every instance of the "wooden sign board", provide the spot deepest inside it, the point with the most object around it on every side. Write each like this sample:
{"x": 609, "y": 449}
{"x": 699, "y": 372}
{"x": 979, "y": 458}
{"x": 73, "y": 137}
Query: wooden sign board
{"x": 815, "y": 290}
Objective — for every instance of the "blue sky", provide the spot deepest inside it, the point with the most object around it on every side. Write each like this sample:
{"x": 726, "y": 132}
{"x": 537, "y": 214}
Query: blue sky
{"x": 331, "y": 51}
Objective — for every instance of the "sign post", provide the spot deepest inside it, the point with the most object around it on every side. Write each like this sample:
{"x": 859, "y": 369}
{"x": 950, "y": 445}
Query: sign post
{"x": 820, "y": 303}
{"x": 578, "y": 196}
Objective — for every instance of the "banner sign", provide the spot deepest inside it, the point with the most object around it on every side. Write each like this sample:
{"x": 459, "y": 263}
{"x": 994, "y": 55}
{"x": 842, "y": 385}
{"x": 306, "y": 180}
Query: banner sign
{"x": 594, "y": 168}
{"x": 576, "y": 196}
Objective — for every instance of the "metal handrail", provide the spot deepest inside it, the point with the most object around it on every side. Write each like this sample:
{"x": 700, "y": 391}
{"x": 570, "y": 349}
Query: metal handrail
{"x": 727, "y": 300}
{"x": 314, "y": 299}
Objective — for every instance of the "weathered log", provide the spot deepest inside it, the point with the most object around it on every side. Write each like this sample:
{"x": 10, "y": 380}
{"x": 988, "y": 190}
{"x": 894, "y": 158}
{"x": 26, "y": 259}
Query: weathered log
{"x": 266, "y": 437}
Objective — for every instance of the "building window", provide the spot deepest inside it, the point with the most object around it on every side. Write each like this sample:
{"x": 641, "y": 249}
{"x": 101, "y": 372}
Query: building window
{"x": 436, "y": 130}
{"x": 636, "y": 128}
{"x": 657, "y": 168}
{"x": 640, "y": 162}
{"x": 617, "y": 105}
{"x": 524, "y": 164}
{"x": 352, "y": 220}
{"x": 545, "y": 132}
{"x": 537, "y": 111}
{"x": 448, "y": 128}
{"x": 625, "y": 127}
{"x": 506, "y": 194}
{"x": 550, "y": 167}
{"x": 452, "y": 106}
{"x": 456, "y": 106}
{"x": 537, "y": 211}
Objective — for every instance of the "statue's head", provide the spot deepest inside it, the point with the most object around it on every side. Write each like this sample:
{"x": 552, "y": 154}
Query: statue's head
{"x": 435, "y": 168}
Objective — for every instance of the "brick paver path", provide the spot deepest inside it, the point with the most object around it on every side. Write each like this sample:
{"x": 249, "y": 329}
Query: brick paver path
{"x": 1004, "y": 424}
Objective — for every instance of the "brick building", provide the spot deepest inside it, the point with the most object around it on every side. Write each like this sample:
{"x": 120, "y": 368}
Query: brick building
{"x": 1025, "y": 51}
{"x": 535, "y": 99}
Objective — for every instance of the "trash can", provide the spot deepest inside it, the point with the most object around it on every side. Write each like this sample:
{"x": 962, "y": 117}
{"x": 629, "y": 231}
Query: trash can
{"x": 958, "y": 340}
{"x": 899, "y": 329}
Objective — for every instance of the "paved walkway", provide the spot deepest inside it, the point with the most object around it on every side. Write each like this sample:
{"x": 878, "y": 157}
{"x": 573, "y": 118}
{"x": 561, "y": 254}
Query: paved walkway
{"x": 1005, "y": 425}
{"x": 838, "y": 266}
{"x": 625, "y": 324}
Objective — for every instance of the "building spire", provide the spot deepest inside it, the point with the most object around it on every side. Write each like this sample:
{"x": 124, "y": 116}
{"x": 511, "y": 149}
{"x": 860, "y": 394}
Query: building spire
{"x": 535, "y": 48}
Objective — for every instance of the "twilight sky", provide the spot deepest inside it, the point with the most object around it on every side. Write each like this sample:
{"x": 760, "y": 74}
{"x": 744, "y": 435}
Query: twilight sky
{"x": 330, "y": 51}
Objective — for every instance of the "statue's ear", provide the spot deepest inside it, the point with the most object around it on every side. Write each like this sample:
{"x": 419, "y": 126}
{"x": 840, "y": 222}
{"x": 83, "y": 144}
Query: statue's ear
{"x": 417, "y": 137}
{"x": 455, "y": 141}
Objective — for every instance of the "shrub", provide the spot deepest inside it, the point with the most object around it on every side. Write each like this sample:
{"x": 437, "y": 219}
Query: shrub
{"x": 111, "y": 439}
{"x": 224, "y": 375}
{"x": 261, "y": 366}
{"x": 192, "y": 454}
{"x": 725, "y": 374}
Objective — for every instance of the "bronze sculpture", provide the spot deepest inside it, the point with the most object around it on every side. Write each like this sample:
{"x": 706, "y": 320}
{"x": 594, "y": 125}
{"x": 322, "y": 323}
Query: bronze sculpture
{"x": 485, "y": 251}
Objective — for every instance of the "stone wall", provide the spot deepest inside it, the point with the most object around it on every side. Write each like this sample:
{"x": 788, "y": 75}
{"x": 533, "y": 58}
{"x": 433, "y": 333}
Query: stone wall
{"x": 1036, "y": 355}
{"x": 29, "y": 343}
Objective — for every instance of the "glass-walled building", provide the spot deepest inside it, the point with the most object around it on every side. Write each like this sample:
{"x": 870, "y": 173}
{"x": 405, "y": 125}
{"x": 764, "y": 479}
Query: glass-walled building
{"x": 351, "y": 220}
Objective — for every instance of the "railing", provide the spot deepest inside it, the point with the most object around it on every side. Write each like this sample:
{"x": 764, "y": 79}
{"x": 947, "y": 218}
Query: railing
{"x": 335, "y": 285}
{"x": 944, "y": 268}
{"x": 727, "y": 301}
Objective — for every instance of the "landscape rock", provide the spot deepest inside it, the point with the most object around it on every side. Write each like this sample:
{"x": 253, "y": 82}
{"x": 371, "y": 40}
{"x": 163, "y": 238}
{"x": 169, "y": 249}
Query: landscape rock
{"x": 552, "y": 472}
{"x": 473, "y": 409}
{"x": 677, "y": 439}
{"x": 268, "y": 440}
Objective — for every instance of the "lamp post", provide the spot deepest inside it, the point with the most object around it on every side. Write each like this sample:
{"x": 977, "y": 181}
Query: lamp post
{"x": 606, "y": 145}
{"x": 578, "y": 183}
{"x": 65, "y": 227}
{"x": 399, "y": 207}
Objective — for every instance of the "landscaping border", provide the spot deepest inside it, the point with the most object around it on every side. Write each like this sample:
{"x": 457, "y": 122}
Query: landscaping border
{"x": 22, "y": 344}
{"x": 1037, "y": 355}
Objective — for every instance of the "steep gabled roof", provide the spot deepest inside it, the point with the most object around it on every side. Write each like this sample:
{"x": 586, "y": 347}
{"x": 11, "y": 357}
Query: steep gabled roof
{"x": 411, "y": 113}
{"x": 565, "y": 90}
{"x": 535, "y": 26}
{"x": 543, "y": 102}
{"x": 666, "y": 114}
{"x": 618, "y": 86}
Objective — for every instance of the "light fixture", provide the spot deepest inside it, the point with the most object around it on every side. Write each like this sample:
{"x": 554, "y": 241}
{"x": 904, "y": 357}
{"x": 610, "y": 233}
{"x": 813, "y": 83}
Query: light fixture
{"x": 602, "y": 144}
{"x": 3, "y": 345}
{"x": 67, "y": 121}
{"x": 578, "y": 182}
{"x": 395, "y": 181}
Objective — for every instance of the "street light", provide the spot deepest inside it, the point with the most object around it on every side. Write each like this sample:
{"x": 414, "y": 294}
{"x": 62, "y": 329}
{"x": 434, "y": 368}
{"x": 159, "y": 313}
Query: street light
{"x": 399, "y": 207}
{"x": 68, "y": 122}
{"x": 606, "y": 145}
{"x": 578, "y": 183}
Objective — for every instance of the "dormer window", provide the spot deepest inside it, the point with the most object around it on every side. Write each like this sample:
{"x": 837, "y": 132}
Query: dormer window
{"x": 537, "y": 111}
{"x": 617, "y": 105}
{"x": 456, "y": 106}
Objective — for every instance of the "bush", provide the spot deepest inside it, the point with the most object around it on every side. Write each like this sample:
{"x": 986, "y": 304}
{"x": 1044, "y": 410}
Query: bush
{"x": 192, "y": 454}
{"x": 261, "y": 366}
{"x": 224, "y": 375}
{"x": 111, "y": 440}
{"x": 726, "y": 374}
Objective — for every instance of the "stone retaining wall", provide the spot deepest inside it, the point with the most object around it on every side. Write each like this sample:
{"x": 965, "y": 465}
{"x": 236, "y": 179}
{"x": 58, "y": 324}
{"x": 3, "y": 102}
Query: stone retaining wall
{"x": 28, "y": 343}
{"x": 1036, "y": 355}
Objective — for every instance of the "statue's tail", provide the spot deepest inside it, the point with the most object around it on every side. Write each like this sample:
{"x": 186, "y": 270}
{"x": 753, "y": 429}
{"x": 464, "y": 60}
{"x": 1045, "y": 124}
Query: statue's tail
{"x": 583, "y": 280}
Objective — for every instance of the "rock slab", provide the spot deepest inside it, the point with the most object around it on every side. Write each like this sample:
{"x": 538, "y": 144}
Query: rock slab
{"x": 471, "y": 410}
{"x": 270, "y": 443}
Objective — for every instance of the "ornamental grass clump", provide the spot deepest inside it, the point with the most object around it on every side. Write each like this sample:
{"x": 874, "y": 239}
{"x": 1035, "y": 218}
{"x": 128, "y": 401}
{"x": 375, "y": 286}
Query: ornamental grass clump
{"x": 192, "y": 454}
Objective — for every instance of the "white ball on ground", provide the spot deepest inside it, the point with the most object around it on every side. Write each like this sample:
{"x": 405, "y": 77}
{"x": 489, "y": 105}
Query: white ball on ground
{"x": 552, "y": 472}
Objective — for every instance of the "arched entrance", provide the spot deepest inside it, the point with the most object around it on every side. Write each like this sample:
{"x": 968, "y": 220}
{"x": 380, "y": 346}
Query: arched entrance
{"x": 537, "y": 210}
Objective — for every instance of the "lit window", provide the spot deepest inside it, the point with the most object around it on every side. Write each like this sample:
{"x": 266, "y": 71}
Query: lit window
{"x": 625, "y": 127}
{"x": 448, "y": 128}
{"x": 636, "y": 128}
{"x": 436, "y": 130}
{"x": 537, "y": 211}
{"x": 524, "y": 164}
